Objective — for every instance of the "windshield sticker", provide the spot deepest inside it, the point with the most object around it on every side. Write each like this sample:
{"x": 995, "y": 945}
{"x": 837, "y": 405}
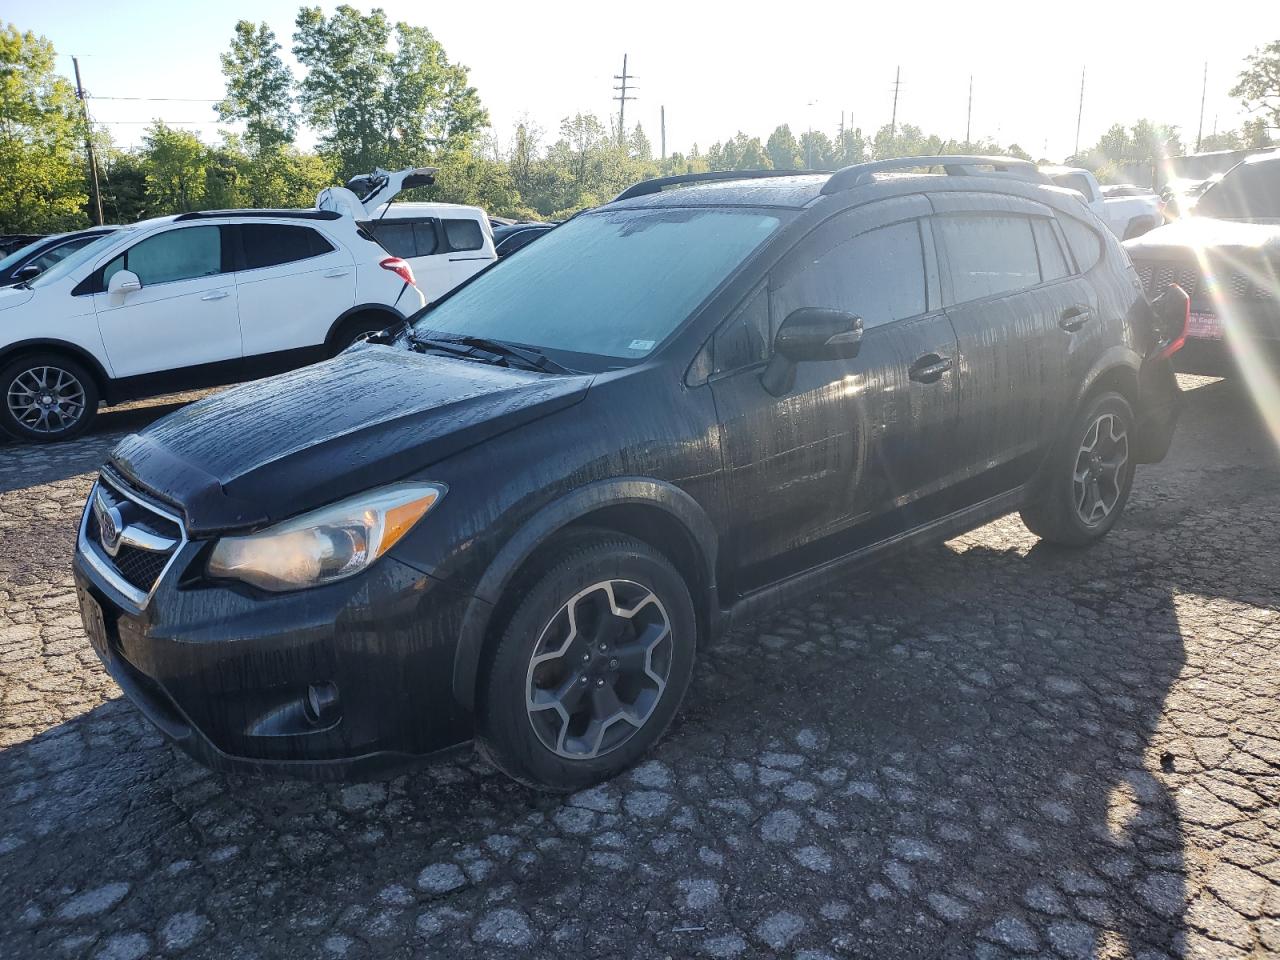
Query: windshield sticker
{"x": 641, "y": 344}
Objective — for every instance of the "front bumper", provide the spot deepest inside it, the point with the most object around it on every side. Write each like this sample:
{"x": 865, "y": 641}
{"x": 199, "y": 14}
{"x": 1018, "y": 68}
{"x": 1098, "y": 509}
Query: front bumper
{"x": 230, "y": 674}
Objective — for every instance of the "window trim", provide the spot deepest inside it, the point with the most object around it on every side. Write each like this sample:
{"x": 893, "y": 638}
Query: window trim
{"x": 241, "y": 260}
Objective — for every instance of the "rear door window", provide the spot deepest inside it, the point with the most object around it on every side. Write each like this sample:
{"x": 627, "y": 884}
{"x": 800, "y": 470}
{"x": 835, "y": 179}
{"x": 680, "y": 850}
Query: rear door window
{"x": 1085, "y": 244}
{"x": 463, "y": 235}
{"x": 273, "y": 244}
{"x": 1053, "y": 262}
{"x": 406, "y": 238}
{"x": 987, "y": 254}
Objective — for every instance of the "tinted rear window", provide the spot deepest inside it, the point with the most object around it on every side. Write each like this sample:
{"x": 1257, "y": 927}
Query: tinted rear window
{"x": 463, "y": 234}
{"x": 405, "y": 238}
{"x": 988, "y": 255}
{"x": 271, "y": 244}
{"x": 1248, "y": 192}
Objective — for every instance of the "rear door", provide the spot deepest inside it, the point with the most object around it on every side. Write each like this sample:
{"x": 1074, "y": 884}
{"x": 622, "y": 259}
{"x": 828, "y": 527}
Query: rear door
{"x": 420, "y": 242}
{"x": 293, "y": 282}
{"x": 469, "y": 248}
{"x": 184, "y": 315}
{"x": 836, "y": 462}
{"x": 1011, "y": 300}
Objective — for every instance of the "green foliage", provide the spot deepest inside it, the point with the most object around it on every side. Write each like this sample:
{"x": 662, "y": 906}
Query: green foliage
{"x": 176, "y": 165}
{"x": 740, "y": 153}
{"x": 783, "y": 149}
{"x": 259, "y": 88}
{"x": 377, "y": 107}
{"x": 42, "y": 166}
{"x": 1259, "y": 84}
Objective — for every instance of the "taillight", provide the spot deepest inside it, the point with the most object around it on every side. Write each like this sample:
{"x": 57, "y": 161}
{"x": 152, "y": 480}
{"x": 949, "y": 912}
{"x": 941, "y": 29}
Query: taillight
{"x": 399, "y": 267}
{"x": 1177, "y": 343}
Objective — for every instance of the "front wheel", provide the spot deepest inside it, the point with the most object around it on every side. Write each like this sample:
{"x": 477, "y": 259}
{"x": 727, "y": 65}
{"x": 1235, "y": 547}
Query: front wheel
{"x": 1088, "y": 477}
{"x": 47, "y": 397}
{"x": 591, "y": 667}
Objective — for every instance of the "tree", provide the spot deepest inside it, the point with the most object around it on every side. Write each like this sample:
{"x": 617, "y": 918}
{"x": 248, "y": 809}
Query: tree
{"x": 784, "y": 151}
{"x": 259, "y": 88}
{"x": 816, "y": 150}
{"x": 374, "y": 107}
{"x": 42, "y": 167}
{"x": 850, "y": 148}
{"x": 740, "y": 153}
{"x": 176, "y": 169}
{"x": 1259, "y": 84}
{"x": 640, "y": 146}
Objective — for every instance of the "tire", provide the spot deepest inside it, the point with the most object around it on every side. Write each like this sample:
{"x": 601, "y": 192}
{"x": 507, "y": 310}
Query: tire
{"x": 358, "y": 328}
{"x": 561, "y": 709}
{"x": 1076, "y": 512}
{"x": 47, "y": 397}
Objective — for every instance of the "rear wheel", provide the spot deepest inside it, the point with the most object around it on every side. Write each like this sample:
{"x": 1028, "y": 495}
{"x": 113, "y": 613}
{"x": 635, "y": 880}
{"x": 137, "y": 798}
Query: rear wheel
{"x": 1089, "y": 476}
{"x": 591, "y": 667}
{"x": 46, "y": 397}
{"x": 358, "y": 329}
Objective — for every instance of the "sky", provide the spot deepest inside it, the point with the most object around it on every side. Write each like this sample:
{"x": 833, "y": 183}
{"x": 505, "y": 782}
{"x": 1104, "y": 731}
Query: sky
{"x": 723, "y": 67}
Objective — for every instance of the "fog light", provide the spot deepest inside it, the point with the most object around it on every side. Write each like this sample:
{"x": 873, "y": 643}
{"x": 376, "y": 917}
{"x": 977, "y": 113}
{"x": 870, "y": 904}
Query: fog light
{"x": 323, "y": 706}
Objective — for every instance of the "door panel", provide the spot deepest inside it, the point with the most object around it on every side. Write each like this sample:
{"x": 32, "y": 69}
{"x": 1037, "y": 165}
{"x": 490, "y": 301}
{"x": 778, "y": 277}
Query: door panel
{"x": 186, "y": 312}
{"x": 817, "y": 472}
{"x": 293, "y": 283}
{"x": 1013, "y": 352}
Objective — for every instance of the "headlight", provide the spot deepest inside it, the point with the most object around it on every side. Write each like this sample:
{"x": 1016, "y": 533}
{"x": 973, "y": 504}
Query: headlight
{"x": 328, "y": 544}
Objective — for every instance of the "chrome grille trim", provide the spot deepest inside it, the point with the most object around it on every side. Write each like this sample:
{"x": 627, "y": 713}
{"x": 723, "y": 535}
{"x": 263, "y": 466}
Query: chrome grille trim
{"x": 96, "y": 557}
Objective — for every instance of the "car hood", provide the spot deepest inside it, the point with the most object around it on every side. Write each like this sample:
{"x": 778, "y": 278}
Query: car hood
{"x": 268, "y": 450}
{"x": 14, "y": 296}
{"x": 1197, "y": 233}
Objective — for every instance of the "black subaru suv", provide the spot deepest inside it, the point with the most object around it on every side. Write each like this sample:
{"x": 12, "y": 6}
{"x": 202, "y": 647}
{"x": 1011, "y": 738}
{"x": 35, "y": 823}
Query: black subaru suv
{"x": 519, "y": 518}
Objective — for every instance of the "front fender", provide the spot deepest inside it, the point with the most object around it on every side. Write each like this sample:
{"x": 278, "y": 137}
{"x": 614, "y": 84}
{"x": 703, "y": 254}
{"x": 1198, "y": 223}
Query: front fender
{"x": 538, "y": 529}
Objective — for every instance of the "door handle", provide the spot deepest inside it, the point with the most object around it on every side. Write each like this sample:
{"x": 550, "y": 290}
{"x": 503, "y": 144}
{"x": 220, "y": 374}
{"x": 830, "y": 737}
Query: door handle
{"x": 337, "y": 272}
{"x": 215, "y": 295}
{"x": 929, "y": 368}
{"x": 1073, "y": 318}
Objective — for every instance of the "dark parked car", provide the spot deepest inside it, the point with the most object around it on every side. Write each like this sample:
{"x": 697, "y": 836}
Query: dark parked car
{"x": 522, "y": 518}
{"x": 1226, "y": 255}
{"x": 510, "y": 237}
{"x": 29, "y": 261}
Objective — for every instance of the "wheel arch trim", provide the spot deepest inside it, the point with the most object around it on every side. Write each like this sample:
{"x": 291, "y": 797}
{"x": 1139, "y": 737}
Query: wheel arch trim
{"x": 76, "y": 352}
{"x": 391, "y": 312}
{"x": 553, "y": 519}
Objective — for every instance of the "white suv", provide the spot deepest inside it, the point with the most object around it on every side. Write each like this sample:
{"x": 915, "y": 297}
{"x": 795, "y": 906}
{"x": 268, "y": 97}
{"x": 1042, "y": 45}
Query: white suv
{"x": 194, "y": 300}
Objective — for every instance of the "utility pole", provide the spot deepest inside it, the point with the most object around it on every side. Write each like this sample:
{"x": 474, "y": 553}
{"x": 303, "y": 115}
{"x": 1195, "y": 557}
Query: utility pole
{"x": 1204, "y": 89}
{"x": 622, "y": 99}
{"x": 893, "y": 121}
{"x": 968, "y": 120}
{"x": 662, "y": 112}
{"x": 88, "y": 141}
{"x": 1079, "y": 113}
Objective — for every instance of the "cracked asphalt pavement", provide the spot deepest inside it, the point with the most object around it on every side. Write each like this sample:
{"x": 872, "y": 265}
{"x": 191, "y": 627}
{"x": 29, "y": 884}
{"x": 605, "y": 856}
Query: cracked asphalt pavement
{"x": 988, "y": 749}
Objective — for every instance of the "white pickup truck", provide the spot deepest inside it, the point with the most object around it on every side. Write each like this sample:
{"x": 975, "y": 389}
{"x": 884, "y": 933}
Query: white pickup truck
{"x": 1128, "y": 217}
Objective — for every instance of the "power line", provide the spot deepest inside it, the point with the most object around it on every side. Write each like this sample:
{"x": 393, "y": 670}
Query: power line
{"x": 94, "y": 96}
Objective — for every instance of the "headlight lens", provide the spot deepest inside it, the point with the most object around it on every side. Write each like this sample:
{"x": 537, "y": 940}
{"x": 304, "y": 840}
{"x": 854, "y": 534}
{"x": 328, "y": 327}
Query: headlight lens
{"x": 328, "y": 544}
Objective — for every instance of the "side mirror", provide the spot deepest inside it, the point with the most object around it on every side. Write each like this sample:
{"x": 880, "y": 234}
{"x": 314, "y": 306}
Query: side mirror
{"x": 123, "y": 282}
{"x": 809, "y": 334}
{"x": 29, "y": 272}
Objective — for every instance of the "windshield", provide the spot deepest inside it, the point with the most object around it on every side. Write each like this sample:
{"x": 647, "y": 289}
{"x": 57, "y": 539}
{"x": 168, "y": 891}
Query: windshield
{"x": 611, "y": 284}
{"x": 22, "y": 253}
{"x": 85, "y": 254}
{"x": 1249, "y": 191}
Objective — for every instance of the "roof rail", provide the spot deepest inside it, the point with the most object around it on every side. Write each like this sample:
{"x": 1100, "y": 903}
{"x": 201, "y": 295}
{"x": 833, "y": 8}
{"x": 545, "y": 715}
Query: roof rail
{"x": 658, "y": 184}
{"x": 954, "y": 164}
{"x": 279, "y": 214}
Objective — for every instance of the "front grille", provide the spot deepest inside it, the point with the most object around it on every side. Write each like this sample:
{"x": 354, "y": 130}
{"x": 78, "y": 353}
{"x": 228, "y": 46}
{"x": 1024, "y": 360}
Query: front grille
{"x": 157, "y": 536}
{"x": 1231, "y": 285}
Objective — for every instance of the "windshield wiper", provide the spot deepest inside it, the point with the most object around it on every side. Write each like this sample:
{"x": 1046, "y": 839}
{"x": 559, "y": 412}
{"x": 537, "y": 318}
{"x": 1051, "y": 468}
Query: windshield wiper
{"x": 526, "y": 357}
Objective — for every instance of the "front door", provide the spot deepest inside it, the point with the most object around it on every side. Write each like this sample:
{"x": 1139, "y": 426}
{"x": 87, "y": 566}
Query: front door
{"x": 835, "y": 463}
{"x": 185, "y": 314}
